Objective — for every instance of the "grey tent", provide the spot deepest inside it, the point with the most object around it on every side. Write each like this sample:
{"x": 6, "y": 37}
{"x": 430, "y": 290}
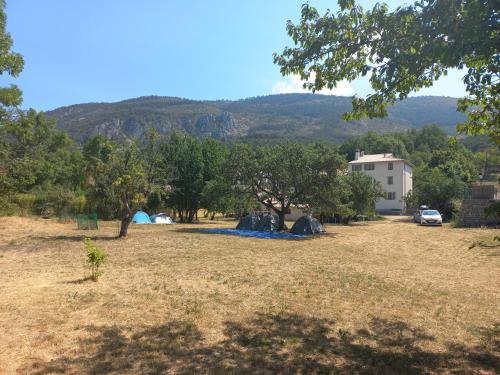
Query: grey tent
{"x": 307, "y": 225}
{"x": 267, "y": 223}
{"x": 259, "y": 221}
{"x": 249, "y": 222}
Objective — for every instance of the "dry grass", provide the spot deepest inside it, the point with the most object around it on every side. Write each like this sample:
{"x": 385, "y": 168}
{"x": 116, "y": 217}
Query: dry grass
{"x": 384, "y": 297}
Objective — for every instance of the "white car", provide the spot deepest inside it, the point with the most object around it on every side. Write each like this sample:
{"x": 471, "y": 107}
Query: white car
{"x": 418, "y": 214}
{"x": 431, "y": 217}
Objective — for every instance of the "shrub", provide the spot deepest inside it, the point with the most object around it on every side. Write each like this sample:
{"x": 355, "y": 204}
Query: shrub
{"x": 26, "y": 202}
{"x": 8, "y": 208}
{"x": 493, "y": 210}
{"x": 95, "y": 257}
{"x": 79, "y": 203}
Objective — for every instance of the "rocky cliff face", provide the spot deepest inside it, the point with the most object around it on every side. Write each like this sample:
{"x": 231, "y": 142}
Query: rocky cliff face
{"x": 222, "y": 126}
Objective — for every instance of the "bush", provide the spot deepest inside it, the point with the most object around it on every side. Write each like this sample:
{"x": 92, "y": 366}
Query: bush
{"x": 493, "y": 210}
{"x": 53, "y": 201}
{"x": 96, "y": 257}
{"x": 7, "y": 208}
{"x": 79, "y": 203}
{"x": 25, "y": 202}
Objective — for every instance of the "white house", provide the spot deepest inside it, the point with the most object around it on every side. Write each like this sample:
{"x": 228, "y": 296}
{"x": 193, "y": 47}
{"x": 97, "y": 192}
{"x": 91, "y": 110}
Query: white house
{"x": 394, "y": 174}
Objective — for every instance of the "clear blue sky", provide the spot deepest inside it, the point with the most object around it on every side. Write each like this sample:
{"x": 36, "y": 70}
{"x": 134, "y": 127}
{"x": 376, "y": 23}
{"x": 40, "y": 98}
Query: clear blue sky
{"x": 108, "y": 50}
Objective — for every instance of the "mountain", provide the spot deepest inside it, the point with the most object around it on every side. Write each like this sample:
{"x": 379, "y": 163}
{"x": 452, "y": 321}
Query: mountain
{"x": 296, "y": 116}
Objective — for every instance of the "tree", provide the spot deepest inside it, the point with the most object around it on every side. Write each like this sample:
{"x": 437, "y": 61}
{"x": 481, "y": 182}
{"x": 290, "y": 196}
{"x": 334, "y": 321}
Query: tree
{"x": 129, "y": 184}
{"x": 365, "y": 191}
{"x": 335, "y": 201}
{"x": 402, "y": 51}
{"x": 455, "y": 161}
{"x": 191, "y": 164}
{"x": 37, "y": 161}
{"x": 375, "y": 143}
{"x": 116, "y": 179}
{"x": 11, "y": 63}
{"x": 99, "y": 176}
{"x": 156, "y": 173}
{"x": 433, "y": 187}
{"x": 36, "y": 152}
{"x": 183, "y": 159}
{"x": 217, "y": 196}
{"x": 284, "y": 175}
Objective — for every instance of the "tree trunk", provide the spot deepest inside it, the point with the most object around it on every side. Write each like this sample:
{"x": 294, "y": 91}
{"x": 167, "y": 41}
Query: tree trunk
{"x": 281, "y": 220}
{"x": 127, "y": 217}
{"x": 124, "y": 225}
{"x": 322, "y": 219}
{"x": 212, "y": 217}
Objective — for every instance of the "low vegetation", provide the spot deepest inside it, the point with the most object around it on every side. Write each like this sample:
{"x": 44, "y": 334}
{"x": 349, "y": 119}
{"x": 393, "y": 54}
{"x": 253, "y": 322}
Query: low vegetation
{"x": 95, "y": 258}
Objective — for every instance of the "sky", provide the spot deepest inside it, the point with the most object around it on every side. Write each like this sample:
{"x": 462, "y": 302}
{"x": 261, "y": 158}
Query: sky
{"x": 104, "y": 51}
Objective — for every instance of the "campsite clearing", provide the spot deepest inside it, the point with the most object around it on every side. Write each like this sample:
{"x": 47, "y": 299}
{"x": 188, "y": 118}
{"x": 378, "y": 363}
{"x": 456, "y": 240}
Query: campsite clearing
{"x": 384, "y": 297}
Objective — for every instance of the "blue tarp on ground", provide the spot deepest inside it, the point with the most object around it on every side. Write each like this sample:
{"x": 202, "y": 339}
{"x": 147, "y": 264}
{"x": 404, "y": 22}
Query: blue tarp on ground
{"x": 140, "y": 217}
{"x": 255, "y": 233}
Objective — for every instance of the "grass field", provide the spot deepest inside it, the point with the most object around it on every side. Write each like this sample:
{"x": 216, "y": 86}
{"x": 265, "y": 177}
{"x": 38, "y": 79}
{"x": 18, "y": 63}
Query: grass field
{"x": 386, "y": 297}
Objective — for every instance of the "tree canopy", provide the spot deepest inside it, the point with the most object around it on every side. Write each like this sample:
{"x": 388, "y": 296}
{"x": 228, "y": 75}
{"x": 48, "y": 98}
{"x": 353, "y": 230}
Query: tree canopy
{"x": 284, "y": 175}
{"x": 402, "y": 51}
{"x": 10, "y": 62}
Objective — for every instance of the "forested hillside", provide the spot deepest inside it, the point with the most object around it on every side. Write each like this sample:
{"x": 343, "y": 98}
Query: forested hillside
{"x": 297, "y": 116}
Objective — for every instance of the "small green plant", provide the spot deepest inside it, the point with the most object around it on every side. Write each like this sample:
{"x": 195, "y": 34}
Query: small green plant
{"x": 95, "y": 257}
{"x": 343, "y": 334}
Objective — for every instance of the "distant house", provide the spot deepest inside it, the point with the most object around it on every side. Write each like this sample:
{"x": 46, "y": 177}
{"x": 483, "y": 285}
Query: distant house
{"x": 394, "y": 174}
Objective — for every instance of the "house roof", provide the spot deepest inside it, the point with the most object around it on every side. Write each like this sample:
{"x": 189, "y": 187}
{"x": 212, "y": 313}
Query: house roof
{"x": 374, "y": 158}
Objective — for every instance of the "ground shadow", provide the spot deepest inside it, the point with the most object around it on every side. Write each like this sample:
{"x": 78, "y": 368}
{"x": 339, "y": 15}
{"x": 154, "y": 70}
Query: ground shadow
{"x": 269, "y": 344}
{"x": 76, "y": 238}
{"x": 402, "y": 219}
{"x": 78, "y": 281}
{"x": 486, "y": 249}
{"x": 205, "y": 231}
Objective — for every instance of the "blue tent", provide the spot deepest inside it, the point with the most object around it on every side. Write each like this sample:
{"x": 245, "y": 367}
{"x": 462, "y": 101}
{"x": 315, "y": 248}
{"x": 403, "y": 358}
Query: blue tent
{"x": 140, "y": 217}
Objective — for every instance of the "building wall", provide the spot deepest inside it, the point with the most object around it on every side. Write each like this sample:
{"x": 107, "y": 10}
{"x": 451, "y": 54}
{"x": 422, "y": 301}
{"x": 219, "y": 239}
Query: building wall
{"x": 402, "y": 182}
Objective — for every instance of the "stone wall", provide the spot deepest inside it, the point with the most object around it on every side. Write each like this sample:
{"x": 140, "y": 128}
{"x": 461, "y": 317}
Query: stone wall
{"x": 472, "y": 213}
{"x": 484, "y": 192}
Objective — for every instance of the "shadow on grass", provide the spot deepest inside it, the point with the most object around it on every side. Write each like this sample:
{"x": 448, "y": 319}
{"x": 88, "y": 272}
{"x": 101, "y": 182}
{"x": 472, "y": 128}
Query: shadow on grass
{"x": 208, "y": 231}
{"x": 402, "y": 219}
{"x": 269, "y": 344}
{"x": 78, "y": 281}
{"x": 75, "y": 238}
{"x": 489, "y": 249}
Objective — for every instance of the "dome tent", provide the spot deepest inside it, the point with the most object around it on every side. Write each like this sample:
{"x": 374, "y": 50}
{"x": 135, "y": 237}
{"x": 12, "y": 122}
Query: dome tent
{"x": 307, "y": 225}
{"x": 267, "y": 223}
{"x": 161, "y": 219}
{"x": 140, "y": 217}
{"x": 264, "y": 222}
{"x": 248, "y": 222}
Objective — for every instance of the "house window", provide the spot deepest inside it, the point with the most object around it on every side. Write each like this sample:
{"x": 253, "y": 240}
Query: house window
{"x": 390, "y": 180}
{"x": 390, "y": 166}
{"x": 391, "y": 196}
{"x": 369, "y": 167}
{"x": 356, "y": 167}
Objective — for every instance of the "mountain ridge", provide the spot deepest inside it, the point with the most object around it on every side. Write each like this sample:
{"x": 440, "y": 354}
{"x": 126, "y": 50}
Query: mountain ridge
{"x": 297, "y": 116}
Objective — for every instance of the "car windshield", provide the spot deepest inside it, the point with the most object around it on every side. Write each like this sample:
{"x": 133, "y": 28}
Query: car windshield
{"x": 430, "y": 212}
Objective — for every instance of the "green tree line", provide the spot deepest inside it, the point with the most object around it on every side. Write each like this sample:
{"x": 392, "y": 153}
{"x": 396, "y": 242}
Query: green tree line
{"x": 44, "y": 172}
